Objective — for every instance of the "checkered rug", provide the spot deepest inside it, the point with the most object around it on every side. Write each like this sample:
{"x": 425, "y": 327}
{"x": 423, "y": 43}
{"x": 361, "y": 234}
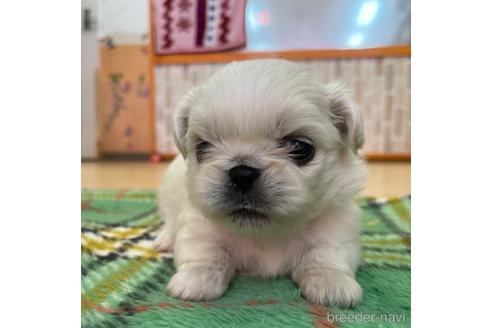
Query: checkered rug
{"x": 124, "y": 279}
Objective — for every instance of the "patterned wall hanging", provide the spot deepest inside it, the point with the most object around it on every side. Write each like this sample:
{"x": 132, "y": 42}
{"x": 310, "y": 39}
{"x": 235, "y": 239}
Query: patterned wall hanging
{"x": 187, "y": 26}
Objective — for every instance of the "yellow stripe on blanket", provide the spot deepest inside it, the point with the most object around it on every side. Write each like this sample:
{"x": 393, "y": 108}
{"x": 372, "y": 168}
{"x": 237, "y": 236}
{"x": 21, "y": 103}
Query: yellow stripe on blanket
{"x": 124, "y": 232}
{"x": 95, "y": 243}
{"x": 140, "y": 251}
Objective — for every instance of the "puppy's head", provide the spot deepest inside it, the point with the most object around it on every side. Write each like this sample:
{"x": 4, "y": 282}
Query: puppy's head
{"x": 267, "y": 146}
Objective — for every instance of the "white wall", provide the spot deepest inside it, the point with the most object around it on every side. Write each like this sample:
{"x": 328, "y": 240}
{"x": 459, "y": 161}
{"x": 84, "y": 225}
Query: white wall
{"x": 88, "y": 73}
{"x": 125, "y": 20}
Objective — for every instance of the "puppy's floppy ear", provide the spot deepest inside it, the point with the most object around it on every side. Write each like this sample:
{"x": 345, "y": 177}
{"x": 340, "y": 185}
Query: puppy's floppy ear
{"x": 345, "y": 115}
{"x": 180, "y": 121}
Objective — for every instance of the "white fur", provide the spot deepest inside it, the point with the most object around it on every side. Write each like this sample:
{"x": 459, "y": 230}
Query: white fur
{"x": 244, "y": 111}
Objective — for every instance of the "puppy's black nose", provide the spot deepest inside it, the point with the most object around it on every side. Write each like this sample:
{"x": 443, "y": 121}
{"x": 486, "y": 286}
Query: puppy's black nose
{"x": 243, "y": 176}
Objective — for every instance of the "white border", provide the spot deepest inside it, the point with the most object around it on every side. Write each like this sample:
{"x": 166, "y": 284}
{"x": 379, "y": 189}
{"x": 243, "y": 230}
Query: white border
{"x": 40, "y": 163}
{"x": 451, "y": 163}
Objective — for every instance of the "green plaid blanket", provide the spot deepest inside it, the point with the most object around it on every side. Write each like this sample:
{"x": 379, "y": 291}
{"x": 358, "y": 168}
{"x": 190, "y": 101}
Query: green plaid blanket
{"x": 123, "y": 279}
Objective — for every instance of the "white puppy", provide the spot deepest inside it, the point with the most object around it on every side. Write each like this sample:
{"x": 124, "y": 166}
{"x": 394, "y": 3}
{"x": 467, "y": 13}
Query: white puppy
{"x": 265, "y": 184}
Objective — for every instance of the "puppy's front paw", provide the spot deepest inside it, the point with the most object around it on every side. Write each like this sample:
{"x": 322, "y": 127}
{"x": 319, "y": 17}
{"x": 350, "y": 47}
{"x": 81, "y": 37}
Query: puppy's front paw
{"x": 198, "y": 283}
{"x": 164, "y": 242}
{"x": 330, "y": 287}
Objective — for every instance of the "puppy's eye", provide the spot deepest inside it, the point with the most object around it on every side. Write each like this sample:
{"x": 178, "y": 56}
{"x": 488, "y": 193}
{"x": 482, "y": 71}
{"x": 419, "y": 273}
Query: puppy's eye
{"x": 202, "y": 148}
{"x": 301, "y": 150}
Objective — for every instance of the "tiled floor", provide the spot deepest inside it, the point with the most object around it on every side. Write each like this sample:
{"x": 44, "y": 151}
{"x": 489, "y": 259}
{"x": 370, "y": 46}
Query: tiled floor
{"x": 385, "y": 178}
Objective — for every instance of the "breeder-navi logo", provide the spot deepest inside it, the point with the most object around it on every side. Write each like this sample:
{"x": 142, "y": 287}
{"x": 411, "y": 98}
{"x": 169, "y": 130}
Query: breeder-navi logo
{"x": 366, "y": 317}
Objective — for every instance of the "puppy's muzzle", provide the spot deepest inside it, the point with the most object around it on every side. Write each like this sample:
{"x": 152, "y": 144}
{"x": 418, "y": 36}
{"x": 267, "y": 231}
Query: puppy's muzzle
{"x": 243, "y": 176}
